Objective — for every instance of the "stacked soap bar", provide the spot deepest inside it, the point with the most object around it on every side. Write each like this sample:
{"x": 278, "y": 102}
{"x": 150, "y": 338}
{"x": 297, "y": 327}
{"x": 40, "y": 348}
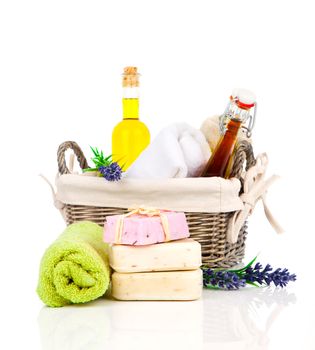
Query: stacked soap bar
{"x": 146, "y": 269}
{"x": 174, "y": 285}
{"x": 164, "y": 271}
{"x": 180, "y": 255}
{"x": 144, "y": 229}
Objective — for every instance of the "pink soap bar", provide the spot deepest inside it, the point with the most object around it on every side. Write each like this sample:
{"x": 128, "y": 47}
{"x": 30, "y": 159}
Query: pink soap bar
{"x": 144, "y": 230}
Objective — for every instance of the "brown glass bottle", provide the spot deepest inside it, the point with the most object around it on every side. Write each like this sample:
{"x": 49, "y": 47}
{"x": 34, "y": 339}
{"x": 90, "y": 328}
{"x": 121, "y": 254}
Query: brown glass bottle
{"x": 238, "y": 111}
{"x": 219, "y": 161}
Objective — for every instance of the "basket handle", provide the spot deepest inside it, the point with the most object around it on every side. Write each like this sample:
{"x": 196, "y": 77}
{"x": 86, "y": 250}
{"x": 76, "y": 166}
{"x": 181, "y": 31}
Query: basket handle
{"x": 62, "y": 166}
{"x": 244, "y": 153}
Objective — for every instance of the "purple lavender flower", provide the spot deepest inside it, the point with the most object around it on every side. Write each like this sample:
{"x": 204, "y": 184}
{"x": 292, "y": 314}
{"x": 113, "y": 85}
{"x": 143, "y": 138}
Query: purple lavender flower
{"x": 111, "y": 172}
{"x": 264, "y": 276}
{"x": 222, "y": 280}
{"x": 281, "y": 277}
{"x": 257, "y": 275}
{"x": 254, "y": 274}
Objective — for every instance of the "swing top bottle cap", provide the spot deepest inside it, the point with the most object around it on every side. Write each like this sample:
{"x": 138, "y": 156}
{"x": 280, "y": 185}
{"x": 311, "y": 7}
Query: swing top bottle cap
{"x": 244, "y": 98}
{"x": 130, "y": 77}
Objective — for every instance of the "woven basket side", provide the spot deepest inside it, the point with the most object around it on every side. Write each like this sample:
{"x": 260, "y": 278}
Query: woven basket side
{"x": 98, "y": 215}
{"x": 209, "y": 229}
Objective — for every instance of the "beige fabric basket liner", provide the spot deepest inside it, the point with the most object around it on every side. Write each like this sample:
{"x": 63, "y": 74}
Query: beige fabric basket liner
{"x": 209, "y": 195}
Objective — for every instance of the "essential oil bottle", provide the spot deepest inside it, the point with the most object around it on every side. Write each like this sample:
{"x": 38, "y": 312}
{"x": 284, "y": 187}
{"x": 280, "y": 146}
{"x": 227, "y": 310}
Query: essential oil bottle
{"x": 131, "y": 136}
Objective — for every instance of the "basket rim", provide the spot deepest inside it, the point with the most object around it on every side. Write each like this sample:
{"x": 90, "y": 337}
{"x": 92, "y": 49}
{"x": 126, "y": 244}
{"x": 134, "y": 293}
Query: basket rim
{"x": 209, "y": 195}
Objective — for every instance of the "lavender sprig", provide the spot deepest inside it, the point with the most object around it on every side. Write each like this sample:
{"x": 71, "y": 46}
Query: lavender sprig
{"x": 105, "y": 166}
{"x": 222, "y": 279}
{"x": 111, "y": 172}
{"x": 279, "y": 277}
{"x": 256, "y": 276}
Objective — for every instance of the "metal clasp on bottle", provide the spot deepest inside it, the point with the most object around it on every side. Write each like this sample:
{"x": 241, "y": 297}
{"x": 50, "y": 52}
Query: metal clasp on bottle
{"x": 227, "y": 115}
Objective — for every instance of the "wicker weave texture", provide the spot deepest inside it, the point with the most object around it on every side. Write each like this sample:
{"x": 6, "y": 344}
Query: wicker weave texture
{"x": 208, "y": 229}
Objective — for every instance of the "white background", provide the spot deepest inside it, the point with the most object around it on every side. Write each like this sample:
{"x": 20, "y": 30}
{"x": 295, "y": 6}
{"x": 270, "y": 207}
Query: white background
{"x": 60, "y": 79}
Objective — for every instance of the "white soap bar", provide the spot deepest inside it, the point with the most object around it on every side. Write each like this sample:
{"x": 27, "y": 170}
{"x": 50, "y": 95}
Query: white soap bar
{"x": 184, "y": 254}
{"x": 171, "y": 285}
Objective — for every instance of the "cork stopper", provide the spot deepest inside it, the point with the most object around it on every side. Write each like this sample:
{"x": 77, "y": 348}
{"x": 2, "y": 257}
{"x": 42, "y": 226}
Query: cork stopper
{"x": 130, "y": 77}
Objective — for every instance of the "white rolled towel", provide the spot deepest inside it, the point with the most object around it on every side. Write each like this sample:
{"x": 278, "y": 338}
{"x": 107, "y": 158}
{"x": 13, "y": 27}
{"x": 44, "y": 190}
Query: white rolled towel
{"x": 179, "y": 150}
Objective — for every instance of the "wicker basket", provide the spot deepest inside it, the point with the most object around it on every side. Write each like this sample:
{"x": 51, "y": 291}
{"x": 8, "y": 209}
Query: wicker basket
{"x": 209, "y": 229}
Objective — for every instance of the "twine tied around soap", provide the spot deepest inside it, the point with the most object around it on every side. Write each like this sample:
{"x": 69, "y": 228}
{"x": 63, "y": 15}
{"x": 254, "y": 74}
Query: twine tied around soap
{"x": 146, "y": 211}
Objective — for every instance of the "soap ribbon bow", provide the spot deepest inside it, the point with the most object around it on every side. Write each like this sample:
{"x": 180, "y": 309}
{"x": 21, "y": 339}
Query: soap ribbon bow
{"x": 255, "y": 188}
{"x": 146, "y": 211}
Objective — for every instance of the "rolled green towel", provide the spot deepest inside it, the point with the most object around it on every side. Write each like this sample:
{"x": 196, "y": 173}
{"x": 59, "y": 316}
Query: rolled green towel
{"x": 75, "y": 269}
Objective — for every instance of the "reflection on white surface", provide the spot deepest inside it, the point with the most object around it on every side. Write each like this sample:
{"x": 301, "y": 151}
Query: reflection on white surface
{"x": 242, "y": 319}
{"x": 74, "y": 327}
{"x": 156, "y": 325}
{"x": 236, "y": 319}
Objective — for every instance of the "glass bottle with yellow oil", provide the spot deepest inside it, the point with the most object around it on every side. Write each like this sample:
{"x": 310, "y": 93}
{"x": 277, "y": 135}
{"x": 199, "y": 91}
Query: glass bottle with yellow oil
{"x": 130, "y": 137}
